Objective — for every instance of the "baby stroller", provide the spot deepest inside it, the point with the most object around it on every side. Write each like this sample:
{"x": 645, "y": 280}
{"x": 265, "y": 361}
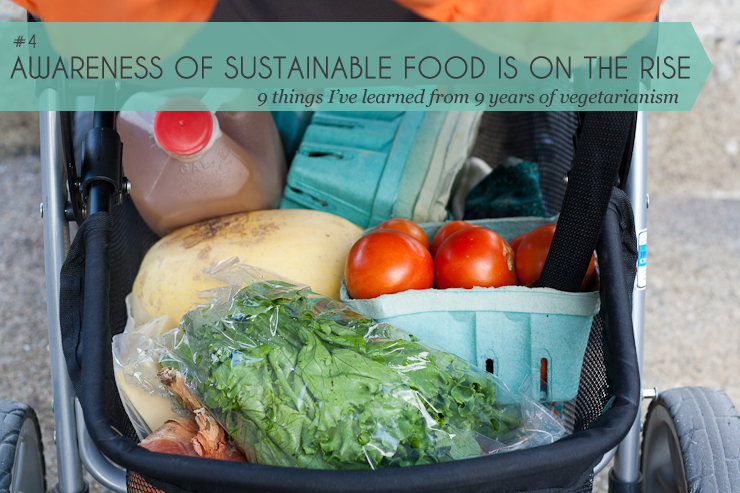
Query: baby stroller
{"x": 688, "y": 440}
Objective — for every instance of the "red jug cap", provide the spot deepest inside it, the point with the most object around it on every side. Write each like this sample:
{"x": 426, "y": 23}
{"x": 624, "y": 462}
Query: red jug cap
{"x": 183, "y": 132}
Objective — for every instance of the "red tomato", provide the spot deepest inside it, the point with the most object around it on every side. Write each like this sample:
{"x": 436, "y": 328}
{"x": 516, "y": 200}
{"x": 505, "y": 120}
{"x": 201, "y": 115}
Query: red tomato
{"x": 517, "y": 241}
{"x": 474, "y": 257}
{"x": 532, "y": 252}
{"x": 446, "y": 230}
{"x": 406, "y": 226}
{"x": 387, "y": 261}
{"x": 589, "y": 274}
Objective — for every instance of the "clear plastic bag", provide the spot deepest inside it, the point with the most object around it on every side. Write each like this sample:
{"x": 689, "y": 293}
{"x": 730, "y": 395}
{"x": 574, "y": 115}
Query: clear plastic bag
{"x": 136, "y": 356}
{"x": 299, "y": 380}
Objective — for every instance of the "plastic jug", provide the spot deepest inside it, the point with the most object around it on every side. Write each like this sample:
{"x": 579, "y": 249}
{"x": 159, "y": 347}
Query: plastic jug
{"x": 188, "y": 166}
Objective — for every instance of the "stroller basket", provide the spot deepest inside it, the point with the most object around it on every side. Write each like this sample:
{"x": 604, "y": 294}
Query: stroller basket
{"x": 99, "y": 272}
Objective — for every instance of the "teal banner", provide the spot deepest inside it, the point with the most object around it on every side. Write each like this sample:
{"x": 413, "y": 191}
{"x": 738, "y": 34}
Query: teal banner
{"x": 352, "y": 66}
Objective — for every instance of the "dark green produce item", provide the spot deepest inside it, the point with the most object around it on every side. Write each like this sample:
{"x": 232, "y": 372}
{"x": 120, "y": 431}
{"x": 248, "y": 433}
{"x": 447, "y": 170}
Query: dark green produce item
{"x": 511, "y": 189}
{"x": 300, "y": 380}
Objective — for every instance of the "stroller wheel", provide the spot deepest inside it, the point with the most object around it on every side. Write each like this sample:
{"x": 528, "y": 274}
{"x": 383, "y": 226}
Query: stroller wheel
{"x": 22, "y": 466}
{"x": 691, "y": 443}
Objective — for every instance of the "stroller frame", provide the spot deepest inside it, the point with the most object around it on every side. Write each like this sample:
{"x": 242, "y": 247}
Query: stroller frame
{"x": 74, "y": 445}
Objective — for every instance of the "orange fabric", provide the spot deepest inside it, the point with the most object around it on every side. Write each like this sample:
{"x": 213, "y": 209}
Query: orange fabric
{"x": 120, "y": 10}
{"x": 436, "y": 10}
{"x": 535, "y": 10}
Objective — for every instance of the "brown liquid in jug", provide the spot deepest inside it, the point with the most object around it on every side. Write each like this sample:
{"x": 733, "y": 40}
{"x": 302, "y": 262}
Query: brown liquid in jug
{"x": 237, "y": 167}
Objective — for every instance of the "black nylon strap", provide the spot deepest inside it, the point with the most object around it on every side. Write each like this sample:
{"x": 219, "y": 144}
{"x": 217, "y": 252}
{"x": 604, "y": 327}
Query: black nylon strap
{"x": 72, "y": 297}
{"x": 602, "y": 140}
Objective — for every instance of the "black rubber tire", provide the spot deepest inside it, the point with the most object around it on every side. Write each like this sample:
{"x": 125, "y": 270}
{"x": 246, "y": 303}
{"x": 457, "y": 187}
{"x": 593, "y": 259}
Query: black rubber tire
{"x": 691, "y": 443}
{"x": 32, "y": 476}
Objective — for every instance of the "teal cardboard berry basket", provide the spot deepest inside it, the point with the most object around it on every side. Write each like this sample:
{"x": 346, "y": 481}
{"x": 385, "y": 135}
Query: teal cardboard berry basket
{"x": 519, "y": 334}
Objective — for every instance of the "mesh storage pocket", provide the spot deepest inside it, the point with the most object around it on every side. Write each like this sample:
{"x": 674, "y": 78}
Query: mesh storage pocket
{"x": 593, "y": 389}
{"x": 136, "y": 484}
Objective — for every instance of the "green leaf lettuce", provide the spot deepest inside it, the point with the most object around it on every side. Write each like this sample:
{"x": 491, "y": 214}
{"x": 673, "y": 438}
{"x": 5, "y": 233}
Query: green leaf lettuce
{"x": 299, "y": 380}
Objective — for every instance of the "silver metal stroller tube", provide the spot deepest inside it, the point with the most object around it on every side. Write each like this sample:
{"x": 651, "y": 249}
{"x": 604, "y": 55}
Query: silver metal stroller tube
{"x": 56, "y": 243}
{"x": 604, "y": 461}
{"x": 627, "y": 461}
{"x": 96, "y": 463}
